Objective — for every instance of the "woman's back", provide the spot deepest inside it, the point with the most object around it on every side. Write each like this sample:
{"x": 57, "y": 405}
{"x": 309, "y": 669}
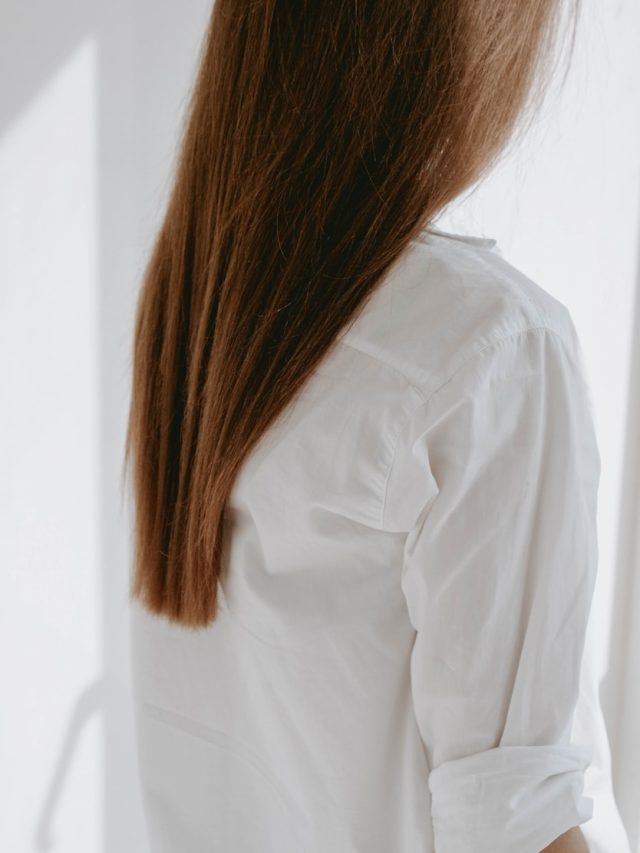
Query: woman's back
{"x": 407, "y": 577}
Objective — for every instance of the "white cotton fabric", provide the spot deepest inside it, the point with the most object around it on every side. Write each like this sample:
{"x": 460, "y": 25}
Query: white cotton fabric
{"x": 408, "y": 576}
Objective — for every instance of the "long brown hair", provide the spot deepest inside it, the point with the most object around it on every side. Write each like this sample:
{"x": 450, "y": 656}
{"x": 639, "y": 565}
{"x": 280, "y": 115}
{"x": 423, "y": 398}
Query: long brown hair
{"x": 320, "y": 137}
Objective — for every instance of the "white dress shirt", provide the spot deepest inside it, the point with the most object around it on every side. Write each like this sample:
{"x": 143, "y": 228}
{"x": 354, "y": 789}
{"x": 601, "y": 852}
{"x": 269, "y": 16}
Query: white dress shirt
{"x": 409, "y": 571}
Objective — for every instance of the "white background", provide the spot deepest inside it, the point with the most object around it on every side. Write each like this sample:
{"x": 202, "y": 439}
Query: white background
{"x": 91, "y": 101}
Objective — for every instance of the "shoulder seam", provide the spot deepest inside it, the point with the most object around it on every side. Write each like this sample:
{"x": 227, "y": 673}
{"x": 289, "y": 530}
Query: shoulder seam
{"x": 545, "y": 323}
{"x": 426, "y": 399}
{"x": 472, "y": 356}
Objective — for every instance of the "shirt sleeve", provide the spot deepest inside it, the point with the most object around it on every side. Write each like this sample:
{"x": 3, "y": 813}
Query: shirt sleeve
{"x": 498, "y": 574}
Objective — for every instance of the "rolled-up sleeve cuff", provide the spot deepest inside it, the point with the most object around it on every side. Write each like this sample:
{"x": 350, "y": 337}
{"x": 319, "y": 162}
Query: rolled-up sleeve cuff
{"x": 509, "y": 798}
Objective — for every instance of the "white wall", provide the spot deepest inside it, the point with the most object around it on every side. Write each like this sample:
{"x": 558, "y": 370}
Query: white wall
{"x": 50, "y": 611}
{"x": 88, "y": 127}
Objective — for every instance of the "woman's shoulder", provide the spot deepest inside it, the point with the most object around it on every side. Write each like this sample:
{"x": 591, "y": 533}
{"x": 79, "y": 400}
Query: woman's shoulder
{"x": 447, "y": 297}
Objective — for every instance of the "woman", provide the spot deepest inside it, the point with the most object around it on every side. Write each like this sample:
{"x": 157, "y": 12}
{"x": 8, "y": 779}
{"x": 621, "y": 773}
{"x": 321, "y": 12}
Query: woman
{"x": 365, "y": 469}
